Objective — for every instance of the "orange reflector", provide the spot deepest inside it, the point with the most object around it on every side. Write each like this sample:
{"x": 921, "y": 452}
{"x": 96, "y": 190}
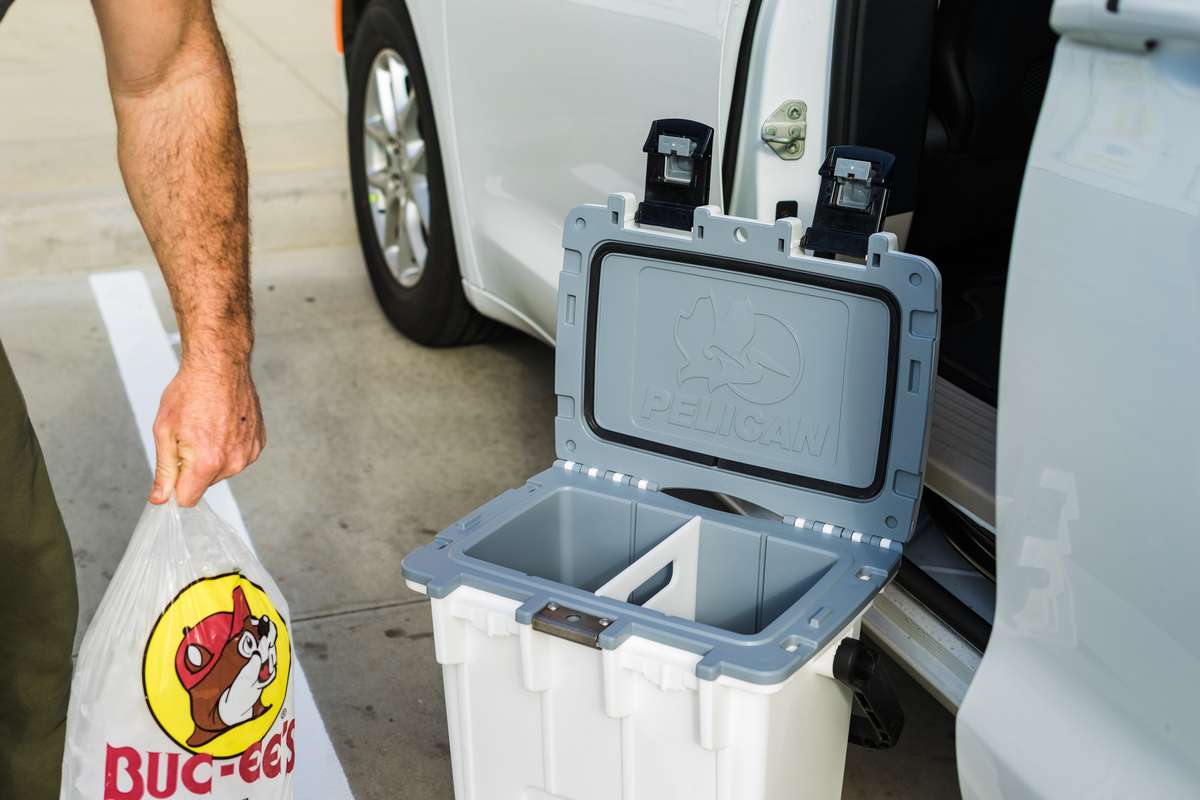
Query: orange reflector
{"x": 337, "y": 26}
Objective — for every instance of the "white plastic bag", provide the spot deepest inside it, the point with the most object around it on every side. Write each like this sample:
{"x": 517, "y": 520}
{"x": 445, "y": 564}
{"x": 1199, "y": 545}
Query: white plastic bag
{"x": 182, "y": 686}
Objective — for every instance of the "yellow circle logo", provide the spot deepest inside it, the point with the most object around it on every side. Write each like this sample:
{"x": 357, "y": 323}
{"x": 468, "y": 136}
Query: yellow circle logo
{"x": 217, "y": 665}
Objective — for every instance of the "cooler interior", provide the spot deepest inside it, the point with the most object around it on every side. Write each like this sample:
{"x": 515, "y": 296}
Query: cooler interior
{"x": 583, "y": 538}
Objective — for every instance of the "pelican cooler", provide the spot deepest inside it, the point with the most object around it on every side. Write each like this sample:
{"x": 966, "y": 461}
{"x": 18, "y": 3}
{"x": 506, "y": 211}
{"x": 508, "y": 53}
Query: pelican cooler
{"x": 601, "y": 638}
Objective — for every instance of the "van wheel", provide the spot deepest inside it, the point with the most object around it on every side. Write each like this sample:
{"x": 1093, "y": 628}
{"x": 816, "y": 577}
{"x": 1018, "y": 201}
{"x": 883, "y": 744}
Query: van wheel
{"x": 399, "y": 187}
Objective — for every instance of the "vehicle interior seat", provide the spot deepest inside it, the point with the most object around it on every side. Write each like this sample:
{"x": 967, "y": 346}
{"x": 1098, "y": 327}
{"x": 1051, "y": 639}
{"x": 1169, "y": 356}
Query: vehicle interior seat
{"x": 989, "y": 67}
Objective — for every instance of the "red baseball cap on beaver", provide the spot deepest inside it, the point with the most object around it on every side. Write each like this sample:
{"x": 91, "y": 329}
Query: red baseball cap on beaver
{"x": 201, "y": 645}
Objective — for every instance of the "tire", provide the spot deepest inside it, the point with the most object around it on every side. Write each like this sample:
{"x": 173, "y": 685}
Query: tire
{"x": 423, "y": 298}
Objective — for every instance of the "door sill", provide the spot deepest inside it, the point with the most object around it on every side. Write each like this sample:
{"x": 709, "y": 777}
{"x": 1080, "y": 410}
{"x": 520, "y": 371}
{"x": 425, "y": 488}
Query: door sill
{"x": 962, "y": 452}
{"x": 943, "y": 662}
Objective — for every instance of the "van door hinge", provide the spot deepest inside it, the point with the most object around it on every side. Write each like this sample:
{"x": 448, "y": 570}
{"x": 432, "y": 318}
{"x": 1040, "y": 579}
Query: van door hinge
{"x": 786, "y": 129}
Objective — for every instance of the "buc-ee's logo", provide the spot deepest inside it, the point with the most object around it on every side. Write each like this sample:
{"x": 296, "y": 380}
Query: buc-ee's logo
{"x": 756, "y": 355}
{"x": 217, "y": 665}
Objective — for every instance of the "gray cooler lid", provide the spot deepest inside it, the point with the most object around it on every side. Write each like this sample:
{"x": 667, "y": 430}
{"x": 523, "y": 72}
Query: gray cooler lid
{"x": 726, "y": 359}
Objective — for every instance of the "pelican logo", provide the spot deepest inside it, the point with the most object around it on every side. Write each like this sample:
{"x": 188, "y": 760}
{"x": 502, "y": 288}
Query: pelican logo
{"x": 757, "y": 358}
{"x": 756, "y": 355}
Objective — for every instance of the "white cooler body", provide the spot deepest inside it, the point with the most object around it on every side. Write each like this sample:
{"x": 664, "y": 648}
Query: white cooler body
{"x": 536, "y": 717}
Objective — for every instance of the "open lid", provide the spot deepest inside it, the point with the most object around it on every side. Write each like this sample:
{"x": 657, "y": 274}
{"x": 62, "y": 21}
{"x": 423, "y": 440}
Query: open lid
{"x": 726, "y": 359}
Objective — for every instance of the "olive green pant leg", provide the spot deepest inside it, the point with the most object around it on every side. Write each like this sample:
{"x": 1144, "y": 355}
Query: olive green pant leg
{"x": 38, "y": 609}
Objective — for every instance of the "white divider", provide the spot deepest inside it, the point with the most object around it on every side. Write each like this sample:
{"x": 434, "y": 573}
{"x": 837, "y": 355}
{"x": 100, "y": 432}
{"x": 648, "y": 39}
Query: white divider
{"x": 147, "y": 364}
{"x": 678, "y": 597}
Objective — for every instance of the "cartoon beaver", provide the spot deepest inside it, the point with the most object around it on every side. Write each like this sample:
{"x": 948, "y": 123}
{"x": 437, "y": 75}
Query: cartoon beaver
{"x": 224, "y": 663}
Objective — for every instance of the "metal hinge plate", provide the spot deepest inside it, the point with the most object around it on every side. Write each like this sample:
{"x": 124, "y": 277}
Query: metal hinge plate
{"x": 786, "y": 129}
{"x": 567, "y": 623}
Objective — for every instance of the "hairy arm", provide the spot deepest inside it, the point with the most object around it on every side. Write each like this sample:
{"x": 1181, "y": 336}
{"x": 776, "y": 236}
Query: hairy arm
{"x": 181, "y": 155}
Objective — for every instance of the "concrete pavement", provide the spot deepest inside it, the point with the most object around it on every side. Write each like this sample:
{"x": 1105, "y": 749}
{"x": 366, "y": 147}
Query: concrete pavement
{"x": 62, "y": 203}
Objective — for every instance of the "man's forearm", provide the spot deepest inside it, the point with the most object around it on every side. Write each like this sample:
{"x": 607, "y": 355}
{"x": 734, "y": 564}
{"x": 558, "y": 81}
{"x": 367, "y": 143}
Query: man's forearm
{"x": 185, "y": 169}
{"x": 181, "y": 154}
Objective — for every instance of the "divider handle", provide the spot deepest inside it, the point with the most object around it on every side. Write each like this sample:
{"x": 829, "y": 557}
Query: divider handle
{"x": 678, "y": 597}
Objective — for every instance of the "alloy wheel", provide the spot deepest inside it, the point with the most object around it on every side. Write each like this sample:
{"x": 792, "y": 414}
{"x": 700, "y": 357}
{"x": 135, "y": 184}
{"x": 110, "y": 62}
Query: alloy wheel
{"x": 396, "y": 168}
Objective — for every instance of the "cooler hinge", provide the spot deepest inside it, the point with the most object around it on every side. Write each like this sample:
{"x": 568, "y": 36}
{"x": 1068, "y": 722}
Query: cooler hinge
{"x": 816, "y": 526}
{"x": 841, "y": 531}
{"x": 600, "y": 473}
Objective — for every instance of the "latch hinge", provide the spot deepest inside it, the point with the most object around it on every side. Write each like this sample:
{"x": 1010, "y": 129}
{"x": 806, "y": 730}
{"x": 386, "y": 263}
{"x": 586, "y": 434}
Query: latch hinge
{"x": 842, "y": 532}
{"x": 678, "y": 162}
{"x": 852, "y": 201}
{"x": 600, "y": 473}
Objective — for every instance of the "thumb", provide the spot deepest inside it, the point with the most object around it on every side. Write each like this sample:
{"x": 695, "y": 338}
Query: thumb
{"x": 166, "y": 466}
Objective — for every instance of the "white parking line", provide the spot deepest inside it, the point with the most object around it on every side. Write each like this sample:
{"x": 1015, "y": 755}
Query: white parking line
{"x": 147, "y": 363}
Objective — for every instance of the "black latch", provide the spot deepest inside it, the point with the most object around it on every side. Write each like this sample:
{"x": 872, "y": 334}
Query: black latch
{"x": 852, "y": 200}
{"x": 859, "y": 667}
{"x": 678, "y": 163}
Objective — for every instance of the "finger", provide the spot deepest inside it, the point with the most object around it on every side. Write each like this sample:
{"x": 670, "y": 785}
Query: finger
{"x": 232, "y": 467}
{"x": 166, "y": 464}
{"x": 194, "y": 478}
{"x": 260, "y": 444}
{"x": 245, "y": 456}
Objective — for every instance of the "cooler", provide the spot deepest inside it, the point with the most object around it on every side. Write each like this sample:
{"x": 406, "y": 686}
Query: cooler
{"x": 602, "y": 638}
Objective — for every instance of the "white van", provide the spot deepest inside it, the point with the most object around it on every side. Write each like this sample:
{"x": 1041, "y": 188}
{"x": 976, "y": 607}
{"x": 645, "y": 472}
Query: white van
{"x": 1047, "y": 160}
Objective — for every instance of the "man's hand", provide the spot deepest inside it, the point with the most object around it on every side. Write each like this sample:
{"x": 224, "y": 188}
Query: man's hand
{"x": 209, "y": 427}
{"x": 181, "y": 154}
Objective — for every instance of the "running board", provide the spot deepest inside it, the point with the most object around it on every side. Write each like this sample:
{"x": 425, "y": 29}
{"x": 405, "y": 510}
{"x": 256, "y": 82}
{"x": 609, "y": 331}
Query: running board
{"x": 961, "y": 465}
{"x": 937, "y": 657}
